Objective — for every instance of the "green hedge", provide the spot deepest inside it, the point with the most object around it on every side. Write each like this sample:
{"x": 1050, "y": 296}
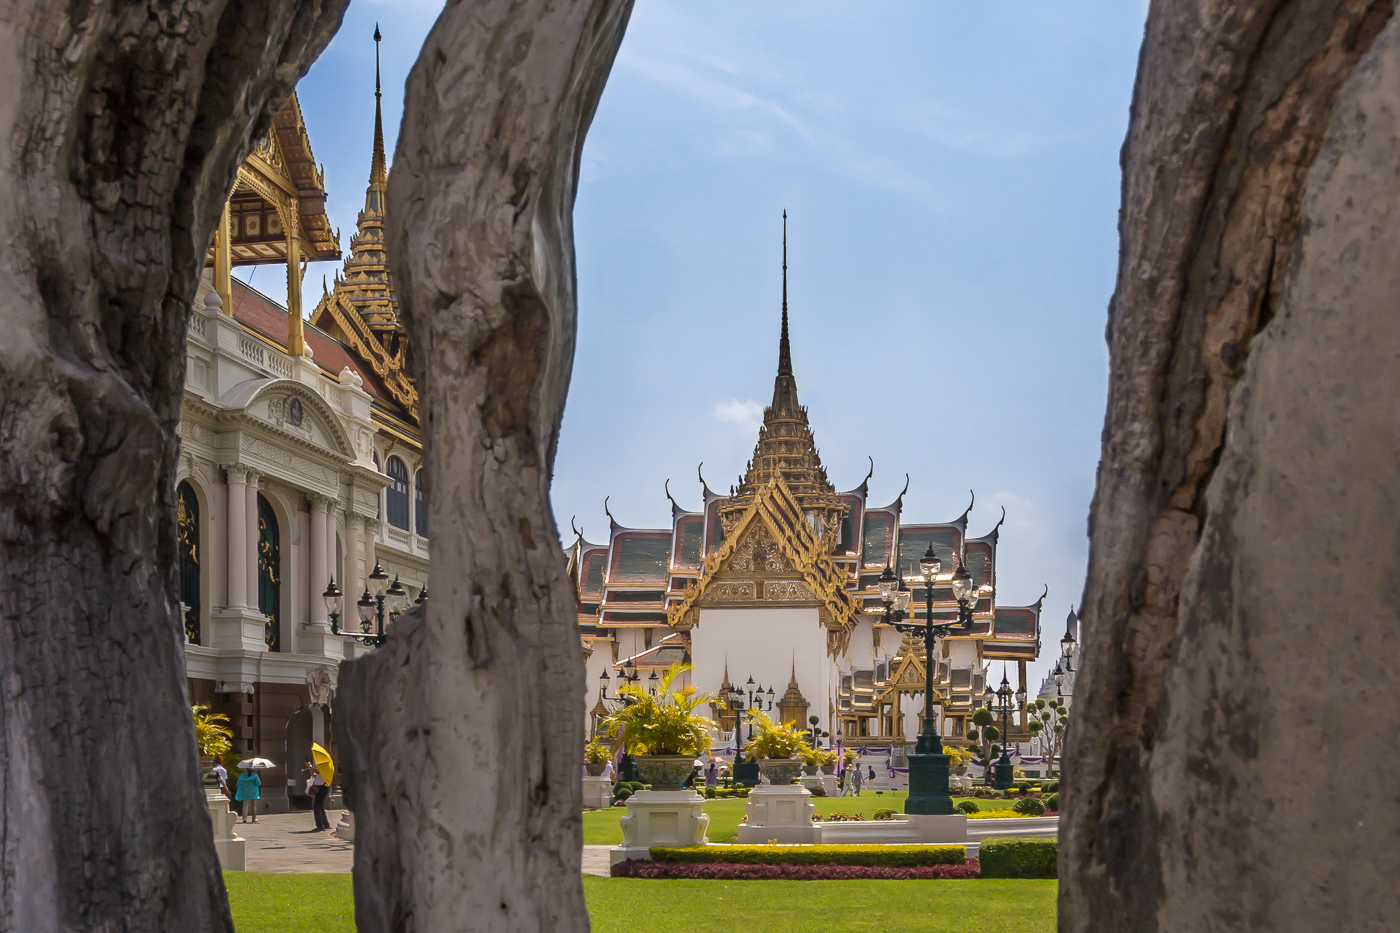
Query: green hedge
{"x": 887, "y": 856}
{"x": 1017, "y": 858}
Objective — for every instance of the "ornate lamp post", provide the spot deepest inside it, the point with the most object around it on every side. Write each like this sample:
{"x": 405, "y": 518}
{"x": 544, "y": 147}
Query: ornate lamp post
{"x": 928, "y": 766}
{"x": 1006, "y": 705}
{"x": 1067, "y": 645}
{"x": 391, "y": 599}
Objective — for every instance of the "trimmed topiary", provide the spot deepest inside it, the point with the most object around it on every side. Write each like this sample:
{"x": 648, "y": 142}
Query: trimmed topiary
{"x": 1029, "y": 806}
{"x": 1053, "y": 802}
{"x": 966, "y": 806}
{"x": 1017, "y": 858}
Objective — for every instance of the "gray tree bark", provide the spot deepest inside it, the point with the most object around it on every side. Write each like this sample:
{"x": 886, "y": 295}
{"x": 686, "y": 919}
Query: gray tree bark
{"x": 460, "y": 738}
{"x": 122, "y": 125}
{"x": 1241, "y": 621}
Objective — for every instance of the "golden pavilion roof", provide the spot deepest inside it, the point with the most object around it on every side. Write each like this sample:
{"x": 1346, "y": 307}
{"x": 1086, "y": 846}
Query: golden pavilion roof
{"x": 786, "y": 448}
{"x": 362, "y": 310}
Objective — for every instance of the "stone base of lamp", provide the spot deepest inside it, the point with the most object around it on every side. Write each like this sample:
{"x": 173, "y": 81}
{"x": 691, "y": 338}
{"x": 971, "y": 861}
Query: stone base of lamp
{"x": 660, "y": 818}
{"x": 227, "y": 844}
{"x": 598, "y": 792}
{"x": 779, "y": 813}
{"x": 345, "y": 829}
{"x": 940, "y": 829}
{"x": 928, "y": 779}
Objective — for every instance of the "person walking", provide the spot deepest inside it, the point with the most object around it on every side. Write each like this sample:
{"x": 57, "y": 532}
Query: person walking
{"x": 249, "y": 790}
{"x": 872, "y": 775}
{"x": 221, "y": 775}
{"x": 319, "y": 790}
{"x": 857, "y": 779}
{"x": 846, "y": 782}
{"x": 712, "y": 776}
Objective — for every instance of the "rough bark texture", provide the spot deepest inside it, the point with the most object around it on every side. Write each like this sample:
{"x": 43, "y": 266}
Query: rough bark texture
{"x": 1241, "y": 614}
{"x": 121, "y": 128}
{"x": 461, "y": 737}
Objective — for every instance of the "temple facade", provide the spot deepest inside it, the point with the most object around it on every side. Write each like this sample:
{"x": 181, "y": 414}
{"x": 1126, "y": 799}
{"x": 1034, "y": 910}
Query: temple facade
{"x": 769, "y": 590}
{"x": 301, "y": 458}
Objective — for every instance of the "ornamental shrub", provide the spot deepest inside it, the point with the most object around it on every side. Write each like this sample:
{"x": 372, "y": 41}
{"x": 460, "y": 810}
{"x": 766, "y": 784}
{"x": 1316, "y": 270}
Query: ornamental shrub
{"x": 622, "y": 792}
{"x": 1053, "y": 802}
{"x": 966, "y": 806}
{"x": 710, "y": 793}
{"x": 1053, "y": 787}
{"x": 1017, "y": 858}
{"x": 1029, "y": 806}
{"x": 884, "y": 855}
{"x": 884, "y": 813}
{"x": 642, "y": 868}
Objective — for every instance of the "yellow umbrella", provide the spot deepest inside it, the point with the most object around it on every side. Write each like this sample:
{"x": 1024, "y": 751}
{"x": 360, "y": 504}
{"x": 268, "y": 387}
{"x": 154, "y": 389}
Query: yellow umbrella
{"x": 322, "y": 760}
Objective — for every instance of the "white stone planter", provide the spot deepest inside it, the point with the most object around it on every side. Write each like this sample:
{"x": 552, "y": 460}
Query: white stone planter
{"x": 597, "y": 792}
{"x": 227, "y": 844}
{"x": 779, "y": 813}
{"x": 660, "y": 818}
{"x": 345, "y": 829}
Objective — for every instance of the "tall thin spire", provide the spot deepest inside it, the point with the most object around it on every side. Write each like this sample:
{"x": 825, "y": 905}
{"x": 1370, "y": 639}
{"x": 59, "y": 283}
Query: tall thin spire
{"x": 784, "y": 387}
{"x": 378, "y": 174}
{"x": 784, "y": 351}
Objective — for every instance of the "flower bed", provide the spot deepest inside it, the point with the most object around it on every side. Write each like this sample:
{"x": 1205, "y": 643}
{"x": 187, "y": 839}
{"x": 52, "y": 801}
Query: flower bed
{"x": 637, "y": 868}
{"x": 1005, "y": 813}
{"x": 888, "y": 856}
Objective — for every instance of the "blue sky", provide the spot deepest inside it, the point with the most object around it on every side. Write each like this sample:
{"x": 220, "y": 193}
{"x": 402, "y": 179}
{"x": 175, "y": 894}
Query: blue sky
{"x": 951, "y": 176}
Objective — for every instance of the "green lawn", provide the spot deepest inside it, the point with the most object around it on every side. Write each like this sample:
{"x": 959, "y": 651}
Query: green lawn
{"x": 323, "y": 904}
{"x": 600, "y": 827}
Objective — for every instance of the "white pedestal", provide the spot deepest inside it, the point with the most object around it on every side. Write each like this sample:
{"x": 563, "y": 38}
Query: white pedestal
{"x": 597, "y": 792}
{"x": 316, "y": 638}
{"x": 238, "y": 628}
{"x": 782, "y": 814}
{"x": 940, "y": 829}
{"x": 228, "y": 846}
{"x": 345, "y": 829}
{"x": 812, "y": 782}
{"x": 871, "y": 832}
{"x": 660, "y": 818}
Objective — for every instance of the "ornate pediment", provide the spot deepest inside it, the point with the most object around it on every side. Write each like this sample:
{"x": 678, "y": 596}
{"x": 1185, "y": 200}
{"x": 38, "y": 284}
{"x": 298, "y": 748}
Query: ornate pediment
{"x": 772, "y": 555}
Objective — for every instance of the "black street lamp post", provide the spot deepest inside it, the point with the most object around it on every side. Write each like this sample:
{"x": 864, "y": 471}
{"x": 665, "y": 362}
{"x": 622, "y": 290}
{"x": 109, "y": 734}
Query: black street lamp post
{"x": 1005, "y": 770}
{"x": 389, "y": 599}
{"x": 928, "y": 766}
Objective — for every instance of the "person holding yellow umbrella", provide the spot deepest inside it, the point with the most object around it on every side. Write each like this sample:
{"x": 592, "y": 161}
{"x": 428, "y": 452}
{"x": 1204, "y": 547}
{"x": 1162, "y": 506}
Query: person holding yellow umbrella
{"x": 320, "y": 772}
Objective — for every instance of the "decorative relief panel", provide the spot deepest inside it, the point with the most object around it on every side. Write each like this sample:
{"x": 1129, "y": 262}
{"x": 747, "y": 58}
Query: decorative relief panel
{"x": 730, "y": 591}
{"x": 759, "y": 553}
{"x": 288, "y": 412}
{"x": 788, "y": 591}
{"x": 268, "y": 451}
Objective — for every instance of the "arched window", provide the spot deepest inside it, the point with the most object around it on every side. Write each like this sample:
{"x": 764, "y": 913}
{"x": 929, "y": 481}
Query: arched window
{"x": 270, "y": 574}
{"x": 420, "y": 504}
{"x": 396, "y": 495}
{"x": 187, "y": 529}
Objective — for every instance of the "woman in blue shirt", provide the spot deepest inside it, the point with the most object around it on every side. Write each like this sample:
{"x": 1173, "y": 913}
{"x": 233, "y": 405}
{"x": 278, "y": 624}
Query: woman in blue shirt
{"x": 249, "y": 790}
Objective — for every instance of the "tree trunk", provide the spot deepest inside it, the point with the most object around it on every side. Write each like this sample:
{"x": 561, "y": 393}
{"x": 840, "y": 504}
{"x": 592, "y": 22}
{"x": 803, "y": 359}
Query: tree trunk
{"x": 1239, "y": 601}
{"x": 123, "y": 125}
{"x": 460, "y": 737}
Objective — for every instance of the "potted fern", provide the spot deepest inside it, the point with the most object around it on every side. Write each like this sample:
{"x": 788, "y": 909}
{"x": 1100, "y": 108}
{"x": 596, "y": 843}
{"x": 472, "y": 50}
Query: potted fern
{"x": 662, "y": 731}
{"x": 596, "y": 758}
{"x": 776, "y": 747}
{"x": 212, "y": 737}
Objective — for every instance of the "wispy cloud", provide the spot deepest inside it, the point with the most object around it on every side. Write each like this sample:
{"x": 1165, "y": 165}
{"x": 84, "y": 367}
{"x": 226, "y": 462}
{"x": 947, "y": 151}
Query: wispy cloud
{"x": 748, "y": 414}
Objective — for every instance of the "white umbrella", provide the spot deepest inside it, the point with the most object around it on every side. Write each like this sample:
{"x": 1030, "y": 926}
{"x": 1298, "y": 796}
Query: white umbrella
{"x": 255, "y": 764}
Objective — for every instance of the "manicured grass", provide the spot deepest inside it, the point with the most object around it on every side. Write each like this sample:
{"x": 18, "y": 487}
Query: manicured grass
{"x": 600, "y": 827}
{"x": 625, "y": 905}
{"x": 323, "y": 904}
{"x": 290, "y": 903}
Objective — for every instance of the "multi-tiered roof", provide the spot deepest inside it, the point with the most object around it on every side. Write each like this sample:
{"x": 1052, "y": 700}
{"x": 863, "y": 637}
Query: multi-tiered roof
{"x": 361, "y": 309}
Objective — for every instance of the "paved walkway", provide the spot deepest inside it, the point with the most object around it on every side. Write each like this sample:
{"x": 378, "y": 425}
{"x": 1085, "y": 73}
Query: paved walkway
{"x": 285, "y": 843}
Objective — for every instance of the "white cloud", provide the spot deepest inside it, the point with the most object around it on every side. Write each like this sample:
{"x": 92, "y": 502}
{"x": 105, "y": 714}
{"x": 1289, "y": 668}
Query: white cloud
{"x": 747, "y": 414}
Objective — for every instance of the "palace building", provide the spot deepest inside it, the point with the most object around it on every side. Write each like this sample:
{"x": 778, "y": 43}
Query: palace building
{"x": 301, "y": 456}
{"x": 770, "y": 590}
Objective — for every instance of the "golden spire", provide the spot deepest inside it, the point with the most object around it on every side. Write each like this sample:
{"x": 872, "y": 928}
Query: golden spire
{"x": 785, "y": 445}
{"x": 378, "y": 174}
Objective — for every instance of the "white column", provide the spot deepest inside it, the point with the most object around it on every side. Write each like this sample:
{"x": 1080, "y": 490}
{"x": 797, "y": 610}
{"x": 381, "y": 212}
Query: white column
{"x": 236, "y": 522}
{"x": 317, "y": 562}
{"x": 250, "y": 540}
{"x": 371, "y": 529}
{"x": 350, "y": 575}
